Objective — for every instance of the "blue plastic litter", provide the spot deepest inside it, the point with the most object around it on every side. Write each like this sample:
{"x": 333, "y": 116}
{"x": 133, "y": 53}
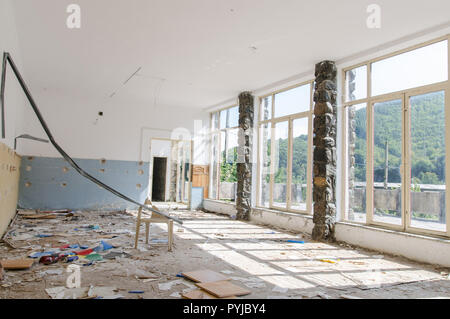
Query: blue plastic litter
{"x": 39, "y": 255}
{"x": 106, "y": 246}
{"x": 295, "y": 241}
{"x": 180, "y": 275}
{"x": 44, "y": 235}
{"x": 136, "y": 292}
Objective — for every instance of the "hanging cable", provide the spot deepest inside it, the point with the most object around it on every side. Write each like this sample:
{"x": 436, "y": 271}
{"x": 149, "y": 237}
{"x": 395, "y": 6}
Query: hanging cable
{"x": 8, "y": 59}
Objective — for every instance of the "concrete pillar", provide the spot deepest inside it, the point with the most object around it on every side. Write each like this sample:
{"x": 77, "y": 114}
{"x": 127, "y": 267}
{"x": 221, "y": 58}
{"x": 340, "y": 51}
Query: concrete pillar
{"x": 324, "y": 159}
{"x": 244, "y": 160}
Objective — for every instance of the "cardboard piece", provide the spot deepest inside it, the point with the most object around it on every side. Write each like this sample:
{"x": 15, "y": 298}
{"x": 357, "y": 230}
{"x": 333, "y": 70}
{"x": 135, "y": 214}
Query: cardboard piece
{"x": 201, "y": 294}
{"x": 17, "y": 264}
{"x": 223, "y": 289}
{"x": 205, "y": 275}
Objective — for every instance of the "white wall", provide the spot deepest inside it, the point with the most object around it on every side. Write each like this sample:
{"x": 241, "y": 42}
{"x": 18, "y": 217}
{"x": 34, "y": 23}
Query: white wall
{"x": 14, "y": 98}
{"x": 122, "y": 133}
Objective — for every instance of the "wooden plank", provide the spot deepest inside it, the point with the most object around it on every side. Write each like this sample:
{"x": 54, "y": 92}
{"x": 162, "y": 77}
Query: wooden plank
{"x": 16, "y": 264}
{"x": 39, "y": 216}
{"x": 201, "y": 294}
{"x": 223, "y": 289}
{"x": 205, "y": 275}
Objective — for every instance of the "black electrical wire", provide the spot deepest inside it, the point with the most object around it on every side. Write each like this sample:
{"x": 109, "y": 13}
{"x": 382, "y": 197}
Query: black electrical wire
{"x": 7, "y": 58}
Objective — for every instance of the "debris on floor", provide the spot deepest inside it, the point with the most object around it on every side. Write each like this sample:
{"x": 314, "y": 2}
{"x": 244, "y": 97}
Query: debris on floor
{"x": 267, "y": 261}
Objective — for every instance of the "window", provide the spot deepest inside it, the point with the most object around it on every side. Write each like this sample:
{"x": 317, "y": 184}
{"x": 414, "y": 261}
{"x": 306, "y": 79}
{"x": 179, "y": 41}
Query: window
{"x": 224, "y": 148}
{"x": 395, "y": 146}
{"x": 284, "y": 148}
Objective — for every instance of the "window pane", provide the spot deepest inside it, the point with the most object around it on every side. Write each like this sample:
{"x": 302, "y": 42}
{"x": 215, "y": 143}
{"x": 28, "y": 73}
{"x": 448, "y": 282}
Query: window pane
{"x": 213, "y": 169}
{"x": 264, "y": 160}
{"x": 428, "y": 161}
{"x": 356, "y": 83}
{"x": 387, "y": 158}
{"x": 228, "y": 165}
{"x": 293, "y": 101}
{"x": 356, "y": 153}
{"x": 266, "y": 108}
{"x": 215, "y": 121}
{"x": 300, "y": 129}
{"x": 280, "y": 164}
{"x": 419, "y": 67}
{"x": 229, "y": 117}
{"x": 187, "y": 167}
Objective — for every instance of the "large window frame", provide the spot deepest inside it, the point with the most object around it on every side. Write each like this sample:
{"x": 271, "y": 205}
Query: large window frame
{"x": 370, "y": 101}
{"x": 216, "y": 130}
{"x": 272, "y": 121}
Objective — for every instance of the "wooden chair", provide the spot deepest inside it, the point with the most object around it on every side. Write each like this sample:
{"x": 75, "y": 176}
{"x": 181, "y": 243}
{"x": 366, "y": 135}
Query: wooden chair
{"x": 156, "y": 219}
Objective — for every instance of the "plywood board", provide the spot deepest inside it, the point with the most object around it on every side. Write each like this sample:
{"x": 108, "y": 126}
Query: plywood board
{"x": 17, "y": 264}
{"x": 205, "y": 275}
{"x": 201, "y": 294}
{"x": 223, "y": 289}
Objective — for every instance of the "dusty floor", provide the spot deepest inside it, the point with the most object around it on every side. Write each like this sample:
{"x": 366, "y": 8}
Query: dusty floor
{"x": 256, "y": 257}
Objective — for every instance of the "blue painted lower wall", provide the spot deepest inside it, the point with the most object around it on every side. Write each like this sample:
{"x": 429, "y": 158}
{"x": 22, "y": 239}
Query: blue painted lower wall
{"x": 51, "y": 183}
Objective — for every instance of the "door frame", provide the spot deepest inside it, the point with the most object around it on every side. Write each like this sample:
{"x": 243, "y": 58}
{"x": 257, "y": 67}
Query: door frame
{"x": 191, "y": 144}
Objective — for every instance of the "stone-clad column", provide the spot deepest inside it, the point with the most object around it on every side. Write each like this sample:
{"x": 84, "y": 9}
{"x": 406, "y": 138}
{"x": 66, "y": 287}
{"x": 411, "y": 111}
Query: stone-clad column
{"x": 244, "y": 165}
{"x": 324, "y": 163}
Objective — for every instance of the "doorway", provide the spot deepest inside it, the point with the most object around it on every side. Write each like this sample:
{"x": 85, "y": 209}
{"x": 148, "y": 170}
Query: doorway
{"x": 159, "y": 179}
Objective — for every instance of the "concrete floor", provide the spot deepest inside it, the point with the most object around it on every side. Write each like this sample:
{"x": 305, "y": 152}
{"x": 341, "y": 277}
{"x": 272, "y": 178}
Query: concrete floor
{"x": 254, "y": 256}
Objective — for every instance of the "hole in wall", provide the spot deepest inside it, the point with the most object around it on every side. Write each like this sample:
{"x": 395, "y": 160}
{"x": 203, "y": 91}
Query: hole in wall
{"x": 65, "y": 169}
{"x": 103, "y": 161}
{"x": 141, "y": 163}
{"x": 141, "y": 172}
{"x": 27, "y": 184}
{"x": 138, "y": 186}
{"x": 30, "y": 158}
{"x": 28, "y": 168}
{"x": 63, "y": 185}
{"x": 102, "y": 170}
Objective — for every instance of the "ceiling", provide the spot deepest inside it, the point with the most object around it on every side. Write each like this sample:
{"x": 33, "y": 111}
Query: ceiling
{"x": 198, "y": 53}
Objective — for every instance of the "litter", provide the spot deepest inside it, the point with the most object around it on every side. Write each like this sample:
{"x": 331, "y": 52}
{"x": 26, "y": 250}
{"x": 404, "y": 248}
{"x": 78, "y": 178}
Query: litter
{"x": 204, "y": 276}
{"x": 82, "y": 293}
{"x": 16, "y": 264}
{"x": 39, "y": 255}
{"x": 94, "y": 257}
{"x": 114, "y": 255}
{"x": 168, "y": 285}
{"x": 280, "y": 289}
{"x": 52, "y": 272}
{"x": 295, "y": 241}
{"x": 327, "y": 261}
{"x": 136, "y": 292}
{"x": 39, "y": 216}
{"x": 223, "y": 289}
{"x": 159, "y": 241}
{"x": 44, "y": 235}
{"x": 85, "y": 252}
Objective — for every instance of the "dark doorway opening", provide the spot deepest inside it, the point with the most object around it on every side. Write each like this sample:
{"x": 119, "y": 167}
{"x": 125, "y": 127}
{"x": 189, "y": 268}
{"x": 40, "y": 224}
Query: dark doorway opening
{"x": 159, "y": 179}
